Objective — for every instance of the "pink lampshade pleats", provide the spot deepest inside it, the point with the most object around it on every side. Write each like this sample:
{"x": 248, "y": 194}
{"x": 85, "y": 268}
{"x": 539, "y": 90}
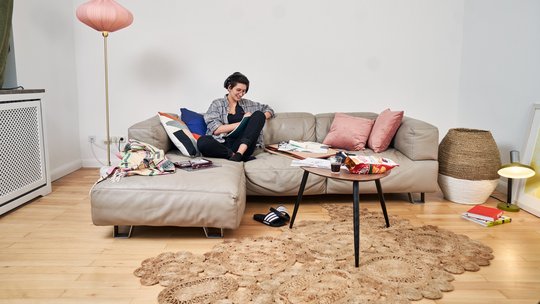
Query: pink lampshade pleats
{"x": 104, "y": 15}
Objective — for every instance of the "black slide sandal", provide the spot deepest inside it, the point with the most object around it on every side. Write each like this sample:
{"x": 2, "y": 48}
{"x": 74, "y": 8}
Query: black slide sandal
{"x": 283, "y": 211}
{"x": 273, "y": 218}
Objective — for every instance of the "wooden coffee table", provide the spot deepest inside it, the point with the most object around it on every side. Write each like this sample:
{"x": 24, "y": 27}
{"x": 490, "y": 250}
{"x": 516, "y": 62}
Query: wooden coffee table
{"x": 355, "y": 179}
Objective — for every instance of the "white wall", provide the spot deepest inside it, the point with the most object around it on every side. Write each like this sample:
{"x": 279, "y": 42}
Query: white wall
{"x": 500, "y": 71}
{"x": 467, "y": 63}
{"x": 313, "y": 56}
{"x": 45, "y": 59}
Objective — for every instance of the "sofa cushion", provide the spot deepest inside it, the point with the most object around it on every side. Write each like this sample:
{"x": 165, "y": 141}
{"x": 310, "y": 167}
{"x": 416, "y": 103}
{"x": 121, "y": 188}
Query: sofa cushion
{"x": 151, "y": 131}
{"x": 323, "y": 122}
{"x": 348, "y": 132}
{"x": 417, "y": 139}
{"x": 409, "y": 176}
{"x": 384, "y": 129}
{"x": 271, "y": 174}
{"x": 285, "y": 126}
{"x": 213, "y": 197}
{"x": 179, "y": 134}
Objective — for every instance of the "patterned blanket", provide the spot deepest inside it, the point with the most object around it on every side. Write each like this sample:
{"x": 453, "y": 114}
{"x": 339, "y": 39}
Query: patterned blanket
{"x": 139, "y": 158}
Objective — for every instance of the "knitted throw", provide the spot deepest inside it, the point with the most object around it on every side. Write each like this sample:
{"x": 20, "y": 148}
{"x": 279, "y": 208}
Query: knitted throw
{"x": 314, "y": 263}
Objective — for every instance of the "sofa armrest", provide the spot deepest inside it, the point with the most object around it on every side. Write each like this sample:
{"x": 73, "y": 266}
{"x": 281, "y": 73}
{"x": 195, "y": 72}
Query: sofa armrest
{"x": 418, "y": 140}
{"x": 151, "y": 131}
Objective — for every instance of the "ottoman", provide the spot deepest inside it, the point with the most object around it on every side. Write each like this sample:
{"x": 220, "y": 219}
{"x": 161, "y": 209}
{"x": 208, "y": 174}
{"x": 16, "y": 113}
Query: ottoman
{"x": 208, "y": 198}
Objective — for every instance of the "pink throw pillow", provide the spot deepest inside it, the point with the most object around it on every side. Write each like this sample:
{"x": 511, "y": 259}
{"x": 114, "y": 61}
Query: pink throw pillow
{"x": 384, "y": 129}
{"x": 348, "y": 132}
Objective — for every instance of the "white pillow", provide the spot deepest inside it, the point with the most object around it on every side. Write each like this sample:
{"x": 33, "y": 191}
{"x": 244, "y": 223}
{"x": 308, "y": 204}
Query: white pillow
{"x": 179, "y": 134}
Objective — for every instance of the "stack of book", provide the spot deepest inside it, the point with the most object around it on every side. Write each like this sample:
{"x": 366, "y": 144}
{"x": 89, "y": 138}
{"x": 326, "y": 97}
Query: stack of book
{"x": 486, "y": 216}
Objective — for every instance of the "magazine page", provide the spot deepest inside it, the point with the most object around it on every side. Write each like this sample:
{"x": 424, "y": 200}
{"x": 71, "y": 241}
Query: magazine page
{"x": 311, "y": 162}
{"x": 303, "y": 146}
{"x": 239, "y": 128}
{"x": 274, "y": 148}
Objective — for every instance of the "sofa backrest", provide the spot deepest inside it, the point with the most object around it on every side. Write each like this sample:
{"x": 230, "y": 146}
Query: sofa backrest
{"x": 151, "y": 132}
{"x": 417, "y": 139}
{"x": 290, "y": 125}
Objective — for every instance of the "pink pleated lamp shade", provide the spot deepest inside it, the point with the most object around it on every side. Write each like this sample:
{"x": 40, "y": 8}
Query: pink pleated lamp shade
{"x": 104, "y": 15}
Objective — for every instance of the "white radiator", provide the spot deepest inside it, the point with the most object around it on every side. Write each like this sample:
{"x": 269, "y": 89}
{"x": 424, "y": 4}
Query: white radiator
{"x": 23, "y": 155}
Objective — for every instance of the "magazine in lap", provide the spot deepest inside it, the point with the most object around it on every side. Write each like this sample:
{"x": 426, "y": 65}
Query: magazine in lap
{"x": 239, "y": 129}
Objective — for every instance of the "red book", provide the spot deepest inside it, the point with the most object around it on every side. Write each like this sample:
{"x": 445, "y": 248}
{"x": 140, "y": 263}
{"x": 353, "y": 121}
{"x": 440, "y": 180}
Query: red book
{"x": 483, "y": 212}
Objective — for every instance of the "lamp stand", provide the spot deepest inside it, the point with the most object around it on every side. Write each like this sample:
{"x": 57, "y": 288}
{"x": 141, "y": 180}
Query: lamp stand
{"x": 508, "y": 206}
{"x": 108, "y": 138}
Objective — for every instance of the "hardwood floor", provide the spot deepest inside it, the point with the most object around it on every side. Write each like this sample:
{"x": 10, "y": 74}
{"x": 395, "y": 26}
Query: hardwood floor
{"x": 50, "y": 252}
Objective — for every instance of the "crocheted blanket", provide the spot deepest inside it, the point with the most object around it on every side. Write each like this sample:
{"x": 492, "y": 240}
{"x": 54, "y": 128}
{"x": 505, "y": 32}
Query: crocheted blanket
{"x": 314, "y": 263}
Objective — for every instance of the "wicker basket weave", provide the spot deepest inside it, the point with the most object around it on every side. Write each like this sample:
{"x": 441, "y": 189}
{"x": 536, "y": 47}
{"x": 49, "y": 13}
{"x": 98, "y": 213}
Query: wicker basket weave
{"x": 470, "y": 156}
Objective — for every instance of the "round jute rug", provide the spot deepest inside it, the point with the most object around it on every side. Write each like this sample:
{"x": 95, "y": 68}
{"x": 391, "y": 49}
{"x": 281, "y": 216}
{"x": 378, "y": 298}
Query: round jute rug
{"x": 314, "y": 263}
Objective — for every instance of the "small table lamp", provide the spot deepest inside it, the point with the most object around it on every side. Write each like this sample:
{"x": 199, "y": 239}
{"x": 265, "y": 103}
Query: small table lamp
{"x": 513, "y": 170}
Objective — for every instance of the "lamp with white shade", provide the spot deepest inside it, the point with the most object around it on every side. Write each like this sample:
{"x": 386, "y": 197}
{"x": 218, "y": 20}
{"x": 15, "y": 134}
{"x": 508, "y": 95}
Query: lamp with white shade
{"x": 513, "y": 170}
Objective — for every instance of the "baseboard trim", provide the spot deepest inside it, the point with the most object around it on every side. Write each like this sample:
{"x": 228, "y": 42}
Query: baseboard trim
{"x": 94, "y": 163}
{"x": 502, "y": 186}
{"x": 530, "y": 207}
{"x": 65, "y": 169}
{"x": 91, "y": 163}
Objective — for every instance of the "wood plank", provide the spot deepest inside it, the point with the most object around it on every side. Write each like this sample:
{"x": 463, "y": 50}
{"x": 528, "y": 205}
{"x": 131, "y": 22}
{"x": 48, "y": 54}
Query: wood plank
{"x": 54, "y": 254}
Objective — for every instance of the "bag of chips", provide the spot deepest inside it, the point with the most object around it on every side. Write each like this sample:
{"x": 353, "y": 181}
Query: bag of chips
{"x": 369, "y": 164}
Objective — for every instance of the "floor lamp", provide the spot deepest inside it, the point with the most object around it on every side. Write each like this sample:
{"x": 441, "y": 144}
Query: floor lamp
{"x": 105, "y": 16}
{"x": 513, "y": 170}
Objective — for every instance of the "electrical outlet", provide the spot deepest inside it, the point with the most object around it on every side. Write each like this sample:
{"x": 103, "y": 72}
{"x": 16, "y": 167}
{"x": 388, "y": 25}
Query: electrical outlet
{"x": 91, "y": 139}
{"x": 115, "y": 140}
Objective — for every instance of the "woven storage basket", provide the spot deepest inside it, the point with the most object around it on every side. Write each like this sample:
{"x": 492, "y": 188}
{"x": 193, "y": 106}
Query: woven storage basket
{"x": 468, "y": 164}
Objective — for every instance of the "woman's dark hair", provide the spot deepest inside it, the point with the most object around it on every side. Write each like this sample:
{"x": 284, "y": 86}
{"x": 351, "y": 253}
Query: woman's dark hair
{"x": 235, "y": 79}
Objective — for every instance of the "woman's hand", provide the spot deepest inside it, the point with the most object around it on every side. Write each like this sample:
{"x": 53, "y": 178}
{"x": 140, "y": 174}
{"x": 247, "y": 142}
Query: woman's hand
{"x": 226, "y": 128}
{"x": 247, "y": 114}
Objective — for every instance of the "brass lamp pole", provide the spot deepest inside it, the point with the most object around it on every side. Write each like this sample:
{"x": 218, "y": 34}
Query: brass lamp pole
{"x": 105, "y": 35}
{"x": 105, "y": 16}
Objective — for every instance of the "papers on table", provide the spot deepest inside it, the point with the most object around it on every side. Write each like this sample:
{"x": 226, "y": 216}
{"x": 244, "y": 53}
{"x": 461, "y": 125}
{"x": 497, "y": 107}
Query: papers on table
{"x": 311, "y": 162}
{"x": 302, "y": 146}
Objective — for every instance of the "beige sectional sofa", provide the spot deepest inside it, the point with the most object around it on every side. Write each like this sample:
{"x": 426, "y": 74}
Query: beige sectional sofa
{"x": 216, "y": 197}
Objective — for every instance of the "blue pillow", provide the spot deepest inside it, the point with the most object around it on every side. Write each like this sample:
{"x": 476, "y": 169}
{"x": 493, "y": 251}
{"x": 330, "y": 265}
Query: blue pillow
{"x": 194, "y": 121}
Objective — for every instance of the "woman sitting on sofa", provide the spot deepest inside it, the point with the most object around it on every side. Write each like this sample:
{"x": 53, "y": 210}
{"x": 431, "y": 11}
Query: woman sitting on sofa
{"x": 225, "y": 114}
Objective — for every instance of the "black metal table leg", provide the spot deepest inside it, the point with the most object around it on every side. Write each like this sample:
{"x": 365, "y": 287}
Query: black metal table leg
{"x": 356, "y": 220}
{"x": 383, "y": 203}
{"x": 299, "y": 197}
